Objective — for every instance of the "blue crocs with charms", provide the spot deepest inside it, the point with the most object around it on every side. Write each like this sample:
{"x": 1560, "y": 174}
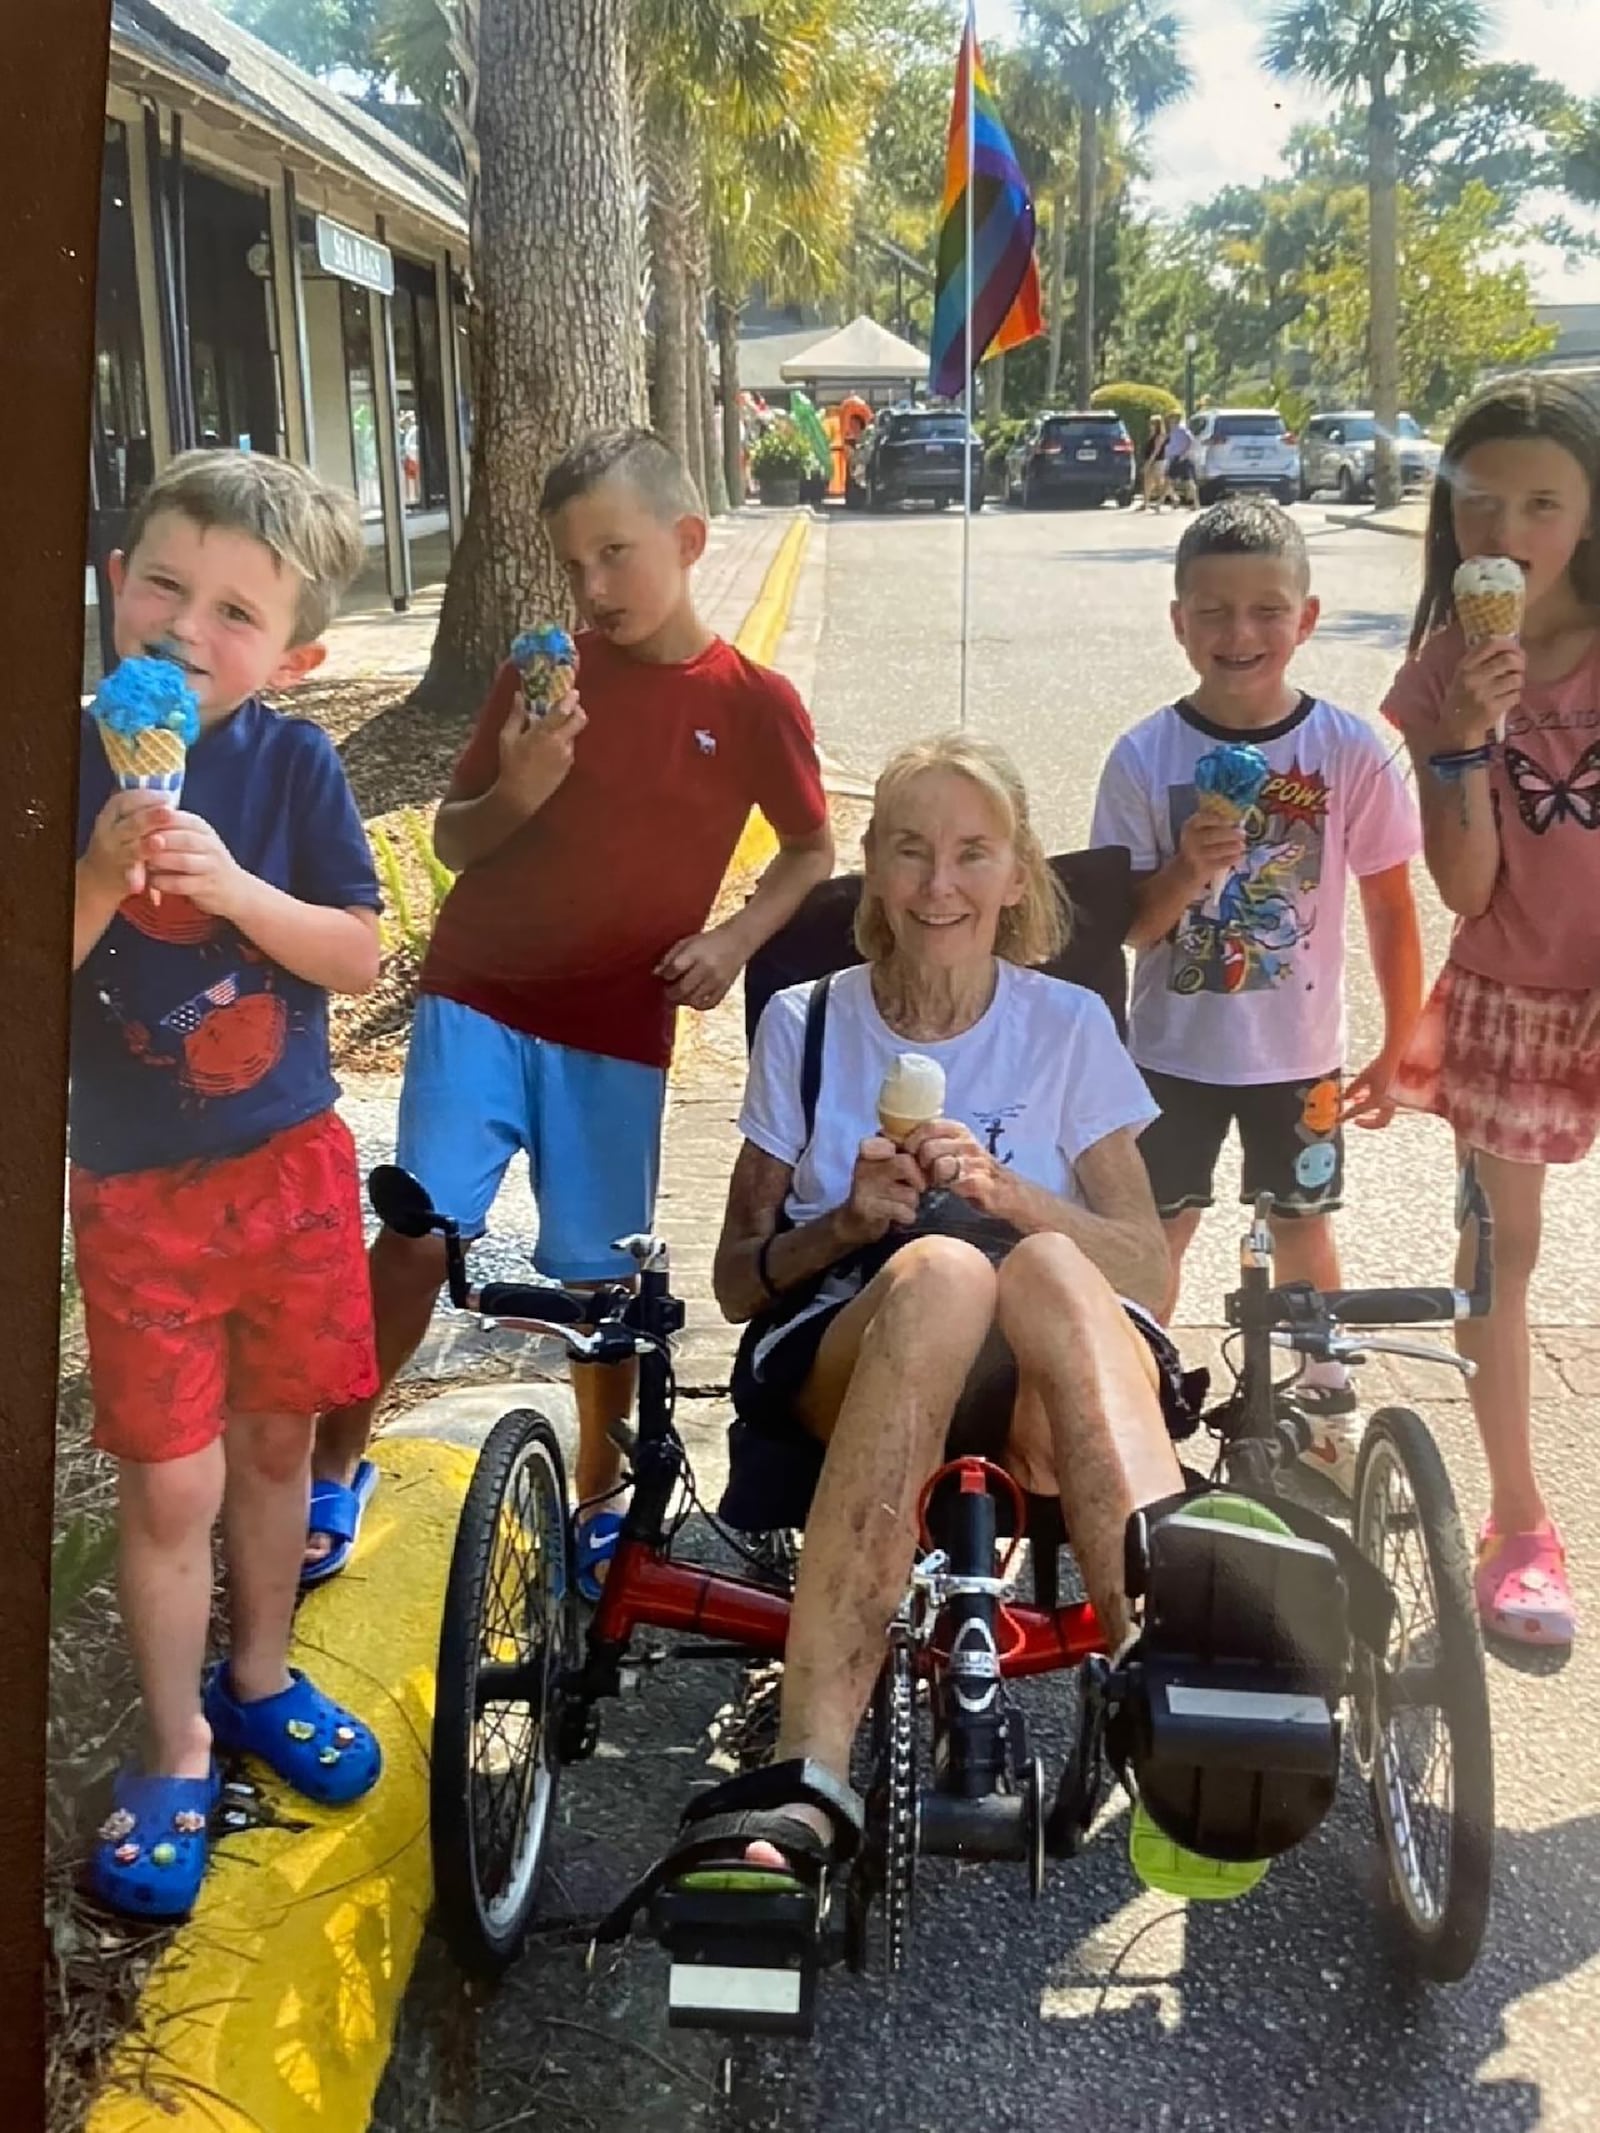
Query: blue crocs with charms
{"x": 304, "y": 1737}
{"x": 153, "y": 1849}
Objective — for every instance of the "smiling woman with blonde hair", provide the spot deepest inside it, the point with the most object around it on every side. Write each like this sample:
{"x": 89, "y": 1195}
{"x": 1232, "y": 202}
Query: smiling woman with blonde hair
{"x": 985, "y": 1281}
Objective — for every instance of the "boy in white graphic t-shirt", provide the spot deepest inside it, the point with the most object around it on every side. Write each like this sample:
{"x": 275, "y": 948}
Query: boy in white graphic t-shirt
{"x": 1238, "y": 1013}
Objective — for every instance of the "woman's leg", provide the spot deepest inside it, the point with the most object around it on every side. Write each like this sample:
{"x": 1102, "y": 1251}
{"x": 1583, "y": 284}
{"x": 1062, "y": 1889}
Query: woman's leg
{"x": 1502, "y": 1398}
{"x": 1096, "y": 1383}
{"x": 881, "y": 1393}
{"x": 165, "y": 1513}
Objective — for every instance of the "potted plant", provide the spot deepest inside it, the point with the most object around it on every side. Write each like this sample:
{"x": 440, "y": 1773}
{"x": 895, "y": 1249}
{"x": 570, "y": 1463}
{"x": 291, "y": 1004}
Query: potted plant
{"x": 780, "y": 462}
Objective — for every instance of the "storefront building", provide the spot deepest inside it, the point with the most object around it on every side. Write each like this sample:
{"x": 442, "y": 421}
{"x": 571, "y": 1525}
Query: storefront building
{"x": 279, "y": 273}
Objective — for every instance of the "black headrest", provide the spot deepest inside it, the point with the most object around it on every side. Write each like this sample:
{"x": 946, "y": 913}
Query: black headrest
{"x": 1099, "y": 886}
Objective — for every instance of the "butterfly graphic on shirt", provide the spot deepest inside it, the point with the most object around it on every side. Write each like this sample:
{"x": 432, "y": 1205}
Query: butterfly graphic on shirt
{"x": 1543, "y": 799}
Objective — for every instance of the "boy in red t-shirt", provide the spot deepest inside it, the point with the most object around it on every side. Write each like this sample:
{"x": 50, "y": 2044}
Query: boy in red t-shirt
{"x": 590, "y": 845}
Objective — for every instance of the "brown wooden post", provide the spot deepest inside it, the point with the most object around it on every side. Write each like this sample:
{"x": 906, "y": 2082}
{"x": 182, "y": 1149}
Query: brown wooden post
{"x": 54, "y": 120}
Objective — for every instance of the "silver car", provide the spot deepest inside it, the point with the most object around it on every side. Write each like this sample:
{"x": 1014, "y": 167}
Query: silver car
{"x": 1337, "y": 451}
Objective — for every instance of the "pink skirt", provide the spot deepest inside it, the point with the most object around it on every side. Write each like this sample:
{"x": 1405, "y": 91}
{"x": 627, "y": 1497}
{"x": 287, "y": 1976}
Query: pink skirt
{"x": 1499, "y": 1062}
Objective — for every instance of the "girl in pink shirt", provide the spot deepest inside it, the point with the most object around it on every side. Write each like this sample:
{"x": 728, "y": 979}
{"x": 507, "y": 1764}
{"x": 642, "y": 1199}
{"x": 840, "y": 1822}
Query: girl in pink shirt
{"x": 1505, "y": 738}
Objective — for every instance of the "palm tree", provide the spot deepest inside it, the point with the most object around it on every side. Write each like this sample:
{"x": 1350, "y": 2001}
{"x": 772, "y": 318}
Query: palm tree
{"x": 1111, "y": 56}
{"x": 1042, "y": 121}
{"x": 1379, "y": 50}
{"x": 733, "y": 98}
{"x": 556, "y": 284}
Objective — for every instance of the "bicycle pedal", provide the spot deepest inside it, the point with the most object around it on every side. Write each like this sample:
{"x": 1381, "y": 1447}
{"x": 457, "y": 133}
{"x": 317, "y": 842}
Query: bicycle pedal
{"x": 742, "y": 1957}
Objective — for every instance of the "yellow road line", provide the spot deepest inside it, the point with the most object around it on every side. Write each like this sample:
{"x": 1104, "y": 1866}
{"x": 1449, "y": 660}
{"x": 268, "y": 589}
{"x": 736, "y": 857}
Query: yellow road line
{"x": 759, "y": 640}
{"x": 273, "y": 2010}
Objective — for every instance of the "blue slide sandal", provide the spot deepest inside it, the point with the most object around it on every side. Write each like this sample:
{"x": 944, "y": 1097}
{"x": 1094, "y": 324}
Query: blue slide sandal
{"x": 336, "y": 1513}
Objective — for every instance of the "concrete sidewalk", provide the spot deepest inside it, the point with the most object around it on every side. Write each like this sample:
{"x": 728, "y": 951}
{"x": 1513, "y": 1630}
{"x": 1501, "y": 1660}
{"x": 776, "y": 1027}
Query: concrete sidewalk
{"x": 1409, "y": 519}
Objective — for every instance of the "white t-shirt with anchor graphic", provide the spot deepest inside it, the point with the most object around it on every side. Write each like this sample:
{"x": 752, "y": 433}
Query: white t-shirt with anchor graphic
{"x": 1248, "y": 987}
{"x": 1039, "y": 1078}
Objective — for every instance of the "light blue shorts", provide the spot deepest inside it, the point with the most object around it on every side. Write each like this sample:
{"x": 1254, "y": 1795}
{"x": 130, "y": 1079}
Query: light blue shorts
{"x": 476, "y": 1092}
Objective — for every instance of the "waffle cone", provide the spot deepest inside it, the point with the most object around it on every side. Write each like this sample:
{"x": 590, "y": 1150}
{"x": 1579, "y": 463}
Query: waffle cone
{"x": 1484, "y": 615}
{"x": 897, "y": 1128}
{"x": 544, "y": 683}
{"x": 1219, "y": 807}
{"x": 154, "y": 756}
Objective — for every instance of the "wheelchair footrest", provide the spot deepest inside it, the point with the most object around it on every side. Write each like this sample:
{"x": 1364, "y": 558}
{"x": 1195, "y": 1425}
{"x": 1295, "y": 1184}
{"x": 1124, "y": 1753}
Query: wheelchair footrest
{"x": 1225, "y": 1712}
{"x": 742, "y": 1957}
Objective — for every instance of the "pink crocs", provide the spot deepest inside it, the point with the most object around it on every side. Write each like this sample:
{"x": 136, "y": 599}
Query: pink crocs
{"x": 1521, "y": 1586}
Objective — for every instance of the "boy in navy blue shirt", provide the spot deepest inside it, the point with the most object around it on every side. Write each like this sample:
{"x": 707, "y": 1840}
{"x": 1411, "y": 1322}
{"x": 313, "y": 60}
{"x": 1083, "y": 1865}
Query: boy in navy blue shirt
{"x": 214, "y": 1192}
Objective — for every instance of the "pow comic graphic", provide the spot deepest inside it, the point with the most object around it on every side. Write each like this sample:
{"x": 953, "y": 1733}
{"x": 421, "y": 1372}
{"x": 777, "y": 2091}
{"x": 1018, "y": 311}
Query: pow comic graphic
{"x": 1241, "y": 934}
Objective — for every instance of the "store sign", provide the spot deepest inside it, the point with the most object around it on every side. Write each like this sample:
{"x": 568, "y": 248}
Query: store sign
{"x": 353, "y": 257}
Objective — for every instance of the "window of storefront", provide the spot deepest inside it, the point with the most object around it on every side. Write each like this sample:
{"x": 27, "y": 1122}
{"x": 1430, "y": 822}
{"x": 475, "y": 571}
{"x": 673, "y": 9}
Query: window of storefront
{"x": 234, "y": 356}
{"x": 356, "y": 310}
{"x": 419, "y": 387}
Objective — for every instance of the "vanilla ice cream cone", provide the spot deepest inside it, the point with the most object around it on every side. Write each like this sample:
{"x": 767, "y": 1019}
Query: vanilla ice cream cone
{"x": 912, "y": 1093}
{"x": 1490, "y": 594}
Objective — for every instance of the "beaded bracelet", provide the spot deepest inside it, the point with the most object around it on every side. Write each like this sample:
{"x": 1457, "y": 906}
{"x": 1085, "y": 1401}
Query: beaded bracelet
{"x": 1452, "y": 766}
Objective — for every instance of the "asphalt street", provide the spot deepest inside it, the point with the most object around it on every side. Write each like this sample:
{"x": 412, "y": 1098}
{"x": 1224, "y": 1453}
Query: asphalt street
{"x": 1102, "y": 2005}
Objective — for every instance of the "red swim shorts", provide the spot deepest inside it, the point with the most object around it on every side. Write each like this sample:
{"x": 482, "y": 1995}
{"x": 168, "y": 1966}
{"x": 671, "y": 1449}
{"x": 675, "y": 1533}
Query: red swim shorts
{"x": 236, "y": 1286}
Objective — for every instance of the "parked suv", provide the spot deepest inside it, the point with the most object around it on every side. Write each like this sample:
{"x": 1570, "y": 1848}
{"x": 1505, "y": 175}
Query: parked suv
{"x": 1076, "y": 458}
{"x": 1244, "y": 448}
{"x": 1337, "y": 451}
{"x": 914, "y": 455}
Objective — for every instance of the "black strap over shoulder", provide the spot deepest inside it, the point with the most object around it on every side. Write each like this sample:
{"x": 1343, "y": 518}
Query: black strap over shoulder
{"x": 811, "y": 1051}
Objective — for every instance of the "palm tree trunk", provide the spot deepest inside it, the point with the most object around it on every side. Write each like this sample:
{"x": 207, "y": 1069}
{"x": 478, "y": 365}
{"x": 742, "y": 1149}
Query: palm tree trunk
{"x": 1088, "y": 187}
{"x": 1058, "y": 284}
{"x": 727, "y": 316}
{"x": 669, "y": 380}
{"x": 556, "y": 243}
{"x": 994, "y": 384}
{"x": 705, "y": 448}
{"x": 1383, "y": 269}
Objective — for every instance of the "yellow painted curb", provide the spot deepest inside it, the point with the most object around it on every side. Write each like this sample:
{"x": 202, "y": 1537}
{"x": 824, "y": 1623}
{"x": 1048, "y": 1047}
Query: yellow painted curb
{"x": 759, "y": 640}
{"x": 273, "y": 2009}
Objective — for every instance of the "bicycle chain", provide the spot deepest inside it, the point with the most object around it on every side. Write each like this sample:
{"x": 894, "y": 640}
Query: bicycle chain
{"x": 900, "y": 1815}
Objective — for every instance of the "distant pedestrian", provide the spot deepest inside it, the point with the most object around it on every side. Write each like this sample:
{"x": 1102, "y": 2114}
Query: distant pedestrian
{"x": 1502, "y": 734}
{"x": 1178, "y": 462}
{"x": 1153, "y": 465}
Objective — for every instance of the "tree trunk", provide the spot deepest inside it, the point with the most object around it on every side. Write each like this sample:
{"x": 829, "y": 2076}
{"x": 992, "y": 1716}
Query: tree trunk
{"x": 1088, "y": 187}
{"x": 669, "y": 382}
{"x": 994, "y": 387}
{"x": 703, "y": 404}
{"x": 1383, "y": 271}
{"x": 1058, "y": 286}
{"x": 557, "y": 280}
{"x": 727, "y": 315}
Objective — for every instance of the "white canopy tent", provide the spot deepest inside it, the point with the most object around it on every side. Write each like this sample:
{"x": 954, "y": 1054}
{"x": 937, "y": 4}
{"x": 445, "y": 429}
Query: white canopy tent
{"x": 863, "y": 354}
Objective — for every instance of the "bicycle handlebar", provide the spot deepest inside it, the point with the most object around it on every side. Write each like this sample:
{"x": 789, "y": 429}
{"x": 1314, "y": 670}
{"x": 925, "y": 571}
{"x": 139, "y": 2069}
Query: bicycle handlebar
{"x": 1298, "y": 1305}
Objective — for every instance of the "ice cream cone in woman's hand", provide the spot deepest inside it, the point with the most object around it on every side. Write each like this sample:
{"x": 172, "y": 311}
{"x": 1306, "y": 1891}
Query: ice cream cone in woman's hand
{"x": 912, "y": 1094}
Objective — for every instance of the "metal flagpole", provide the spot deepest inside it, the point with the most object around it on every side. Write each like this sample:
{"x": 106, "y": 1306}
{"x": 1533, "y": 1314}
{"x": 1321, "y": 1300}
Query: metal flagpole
{"x": 971, "y": 394}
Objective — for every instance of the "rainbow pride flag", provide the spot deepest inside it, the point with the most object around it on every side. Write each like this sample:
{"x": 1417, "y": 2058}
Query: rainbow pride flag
{"x": 1001, "y": 281}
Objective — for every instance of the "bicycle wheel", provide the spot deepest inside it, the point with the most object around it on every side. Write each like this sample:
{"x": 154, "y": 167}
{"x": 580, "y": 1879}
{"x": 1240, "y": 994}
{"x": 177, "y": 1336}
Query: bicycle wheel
{"x": 508, "y": 1636}
{"x": 1421, "y": 1729}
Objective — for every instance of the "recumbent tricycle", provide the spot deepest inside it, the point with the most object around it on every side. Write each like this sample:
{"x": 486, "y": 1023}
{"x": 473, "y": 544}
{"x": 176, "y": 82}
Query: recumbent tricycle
{"x": 1259, "y": 1622}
